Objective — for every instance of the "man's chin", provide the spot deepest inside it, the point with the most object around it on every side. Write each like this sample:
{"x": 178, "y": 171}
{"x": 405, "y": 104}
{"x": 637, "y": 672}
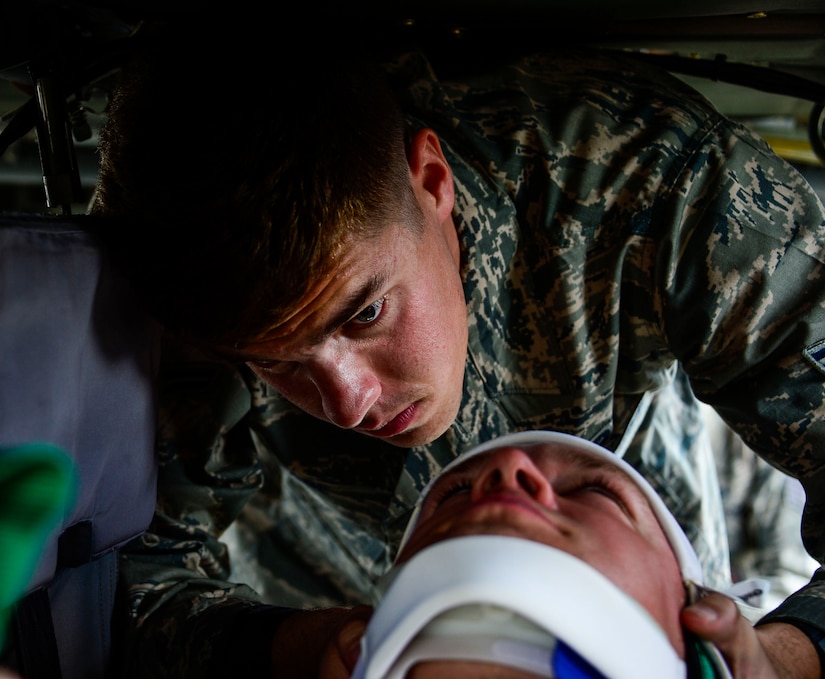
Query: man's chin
{"x": 419, "y": 435}
{"x": 423, "y": 429}
{"x": 412, "y": 438}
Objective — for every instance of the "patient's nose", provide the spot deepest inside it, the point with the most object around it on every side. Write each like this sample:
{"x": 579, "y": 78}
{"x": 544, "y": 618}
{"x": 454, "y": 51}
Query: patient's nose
{"x": 512, "y": 469}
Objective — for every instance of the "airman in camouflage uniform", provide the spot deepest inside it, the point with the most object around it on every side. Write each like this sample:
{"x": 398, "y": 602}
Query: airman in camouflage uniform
{"x": 625, "y": 250}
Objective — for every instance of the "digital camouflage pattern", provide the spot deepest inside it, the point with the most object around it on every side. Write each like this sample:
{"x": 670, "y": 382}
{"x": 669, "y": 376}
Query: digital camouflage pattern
{"x": 762, "y": 508}
{"x": 619, "y": 239}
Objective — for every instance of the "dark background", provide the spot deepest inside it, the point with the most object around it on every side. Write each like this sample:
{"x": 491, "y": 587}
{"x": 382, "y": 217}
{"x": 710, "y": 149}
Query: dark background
{"x": 763, "y": 64}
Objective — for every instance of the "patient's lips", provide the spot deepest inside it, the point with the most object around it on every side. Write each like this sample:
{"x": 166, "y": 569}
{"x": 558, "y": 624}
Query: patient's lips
{"x": 501, "y": 514}
{"x": 508, "y": 502}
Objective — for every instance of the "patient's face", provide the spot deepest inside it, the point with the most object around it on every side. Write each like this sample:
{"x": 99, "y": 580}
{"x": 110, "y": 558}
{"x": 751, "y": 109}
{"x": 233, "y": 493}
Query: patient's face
{"x": 567, "y": 499}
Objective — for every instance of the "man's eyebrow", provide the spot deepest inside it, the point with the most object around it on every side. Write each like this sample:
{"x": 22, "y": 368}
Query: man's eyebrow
{"x": 351, "y": 305}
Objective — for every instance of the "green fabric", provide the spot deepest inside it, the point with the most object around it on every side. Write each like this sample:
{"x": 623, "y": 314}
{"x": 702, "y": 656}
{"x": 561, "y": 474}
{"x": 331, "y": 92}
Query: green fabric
{"x": 37, "y": 487}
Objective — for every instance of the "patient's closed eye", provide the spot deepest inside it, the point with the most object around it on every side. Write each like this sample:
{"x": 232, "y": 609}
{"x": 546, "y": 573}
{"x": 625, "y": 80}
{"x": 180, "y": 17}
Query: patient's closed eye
{"x": 603, "y": 485}
{"x": 448, "y": 489}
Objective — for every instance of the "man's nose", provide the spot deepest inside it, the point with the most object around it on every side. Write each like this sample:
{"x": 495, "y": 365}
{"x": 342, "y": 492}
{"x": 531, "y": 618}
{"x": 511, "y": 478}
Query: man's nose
{"x": 512, "y": 469}
{"x": 348, "y": 387}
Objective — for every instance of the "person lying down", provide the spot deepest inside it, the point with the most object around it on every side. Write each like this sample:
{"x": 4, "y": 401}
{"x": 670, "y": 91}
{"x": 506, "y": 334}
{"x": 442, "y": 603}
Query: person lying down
{"x": 539, "y": 554}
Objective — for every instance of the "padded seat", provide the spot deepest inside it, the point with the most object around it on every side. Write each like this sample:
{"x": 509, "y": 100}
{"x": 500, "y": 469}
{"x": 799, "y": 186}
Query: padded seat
{"x": 78, "y": 367}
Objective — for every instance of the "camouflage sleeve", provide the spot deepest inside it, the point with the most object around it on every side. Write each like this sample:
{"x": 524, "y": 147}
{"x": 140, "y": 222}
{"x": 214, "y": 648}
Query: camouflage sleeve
{"x": 743, "y": 307}
{"x": 180, "y": 605}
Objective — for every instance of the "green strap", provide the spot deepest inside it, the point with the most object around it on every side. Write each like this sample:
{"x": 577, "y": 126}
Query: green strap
{"x": 706, "y": 665}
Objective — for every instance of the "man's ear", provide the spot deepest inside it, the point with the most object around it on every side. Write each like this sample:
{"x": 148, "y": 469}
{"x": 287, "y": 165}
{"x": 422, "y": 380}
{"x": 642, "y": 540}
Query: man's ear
{"x": 432, "y": 177}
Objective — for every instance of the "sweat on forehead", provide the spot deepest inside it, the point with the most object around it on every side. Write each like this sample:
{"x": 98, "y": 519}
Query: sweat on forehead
{"x": 688, "y": 560}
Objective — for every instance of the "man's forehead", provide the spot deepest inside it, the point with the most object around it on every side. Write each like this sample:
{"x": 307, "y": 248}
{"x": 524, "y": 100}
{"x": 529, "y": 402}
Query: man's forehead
{"x": 356, "y": 273}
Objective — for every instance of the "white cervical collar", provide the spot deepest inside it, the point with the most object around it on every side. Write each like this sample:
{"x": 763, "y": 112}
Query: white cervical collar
{"x": 560, "y": 595}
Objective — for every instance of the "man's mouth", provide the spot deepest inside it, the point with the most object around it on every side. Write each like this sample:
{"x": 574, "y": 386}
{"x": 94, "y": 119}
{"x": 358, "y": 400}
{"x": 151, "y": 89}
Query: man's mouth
{"x": 397, "y": 424}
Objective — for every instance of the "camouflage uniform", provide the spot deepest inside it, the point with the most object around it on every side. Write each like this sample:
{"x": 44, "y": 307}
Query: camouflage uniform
{"x": 619, "y": 237}
{"x": 762, "y": 507}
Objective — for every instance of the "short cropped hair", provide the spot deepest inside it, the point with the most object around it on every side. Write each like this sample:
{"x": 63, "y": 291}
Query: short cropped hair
{"x": 236, "y": 160}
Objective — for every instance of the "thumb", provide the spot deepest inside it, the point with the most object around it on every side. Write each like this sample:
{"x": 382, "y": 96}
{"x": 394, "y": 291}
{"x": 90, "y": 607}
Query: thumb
{"x": 716, "y": 618}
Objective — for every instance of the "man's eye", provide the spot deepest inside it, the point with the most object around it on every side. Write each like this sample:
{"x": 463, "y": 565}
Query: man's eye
{"x": 371, "y": 313}
{"x": 269, "y": 366}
